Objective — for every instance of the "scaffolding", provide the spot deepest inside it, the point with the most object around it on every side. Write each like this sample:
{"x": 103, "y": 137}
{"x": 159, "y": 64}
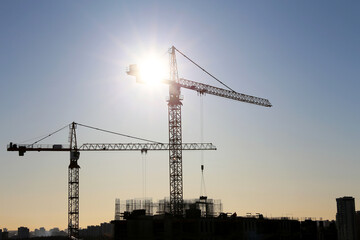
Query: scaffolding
{"x": 139, "y": 203}
{"x": 208, "y": 207}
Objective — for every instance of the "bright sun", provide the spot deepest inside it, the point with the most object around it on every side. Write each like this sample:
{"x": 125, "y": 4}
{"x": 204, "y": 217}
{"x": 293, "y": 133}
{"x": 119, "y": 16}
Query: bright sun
{"x": 153, "y": 69}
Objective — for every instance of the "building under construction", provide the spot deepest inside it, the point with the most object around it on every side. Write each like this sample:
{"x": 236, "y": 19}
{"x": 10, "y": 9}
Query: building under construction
{"x": 137, "y": 225}
{"x": 207, "y": 207}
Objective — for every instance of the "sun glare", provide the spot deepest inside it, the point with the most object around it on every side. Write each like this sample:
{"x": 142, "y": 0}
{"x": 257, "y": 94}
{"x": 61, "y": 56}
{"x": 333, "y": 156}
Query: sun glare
{"x": 153, "y": 69}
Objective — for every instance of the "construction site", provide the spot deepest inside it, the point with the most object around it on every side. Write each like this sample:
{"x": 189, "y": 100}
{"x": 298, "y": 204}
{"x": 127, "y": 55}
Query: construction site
{"x": 182, "y": 120}
{"x": 174, "y": 208}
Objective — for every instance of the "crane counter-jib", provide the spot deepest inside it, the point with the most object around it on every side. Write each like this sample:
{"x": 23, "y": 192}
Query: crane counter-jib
{"x": 38, "y": 147}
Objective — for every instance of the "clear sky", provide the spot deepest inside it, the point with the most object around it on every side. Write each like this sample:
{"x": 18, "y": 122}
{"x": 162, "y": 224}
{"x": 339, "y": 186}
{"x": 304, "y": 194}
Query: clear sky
{"x": 64, "y": 61}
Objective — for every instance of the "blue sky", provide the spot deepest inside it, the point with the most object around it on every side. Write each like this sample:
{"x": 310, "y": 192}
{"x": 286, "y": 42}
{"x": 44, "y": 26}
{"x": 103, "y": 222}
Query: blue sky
{"x": 65, "y": 61}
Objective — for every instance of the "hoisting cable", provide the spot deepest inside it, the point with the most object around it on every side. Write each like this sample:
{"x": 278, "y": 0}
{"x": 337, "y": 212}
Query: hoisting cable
{"x": 203, "y": 187}
{"x": 204, "y": 70}
{"x": 50, "y": 134}
{"x": 143, "y": 156}
{"x": 202, "y": 184}
{"x": 120, "y": 134}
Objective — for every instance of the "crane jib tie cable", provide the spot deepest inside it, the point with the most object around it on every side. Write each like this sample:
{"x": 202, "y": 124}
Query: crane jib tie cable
{"x": 204, "y": 70}
{"x": 99, "y": 129}
{"x": 120, "y": 134}
{"x": 50, "y": 135}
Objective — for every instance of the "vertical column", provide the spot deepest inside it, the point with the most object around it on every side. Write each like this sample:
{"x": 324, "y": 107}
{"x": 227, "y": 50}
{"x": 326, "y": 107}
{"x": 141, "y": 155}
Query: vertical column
{"x": 73, "y": 201}
{"x": 175, "y": 140}
{"x": 73, "y": 186}
{"x": 175, "y": 160}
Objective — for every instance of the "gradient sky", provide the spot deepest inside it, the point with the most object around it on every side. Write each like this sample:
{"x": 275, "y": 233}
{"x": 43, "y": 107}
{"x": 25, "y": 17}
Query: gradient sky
{"x": 64, "y": 61}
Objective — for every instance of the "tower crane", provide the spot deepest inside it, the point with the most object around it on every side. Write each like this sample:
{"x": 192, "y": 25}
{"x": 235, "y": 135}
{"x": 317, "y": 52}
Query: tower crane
{"x": 174, "y": 119}
{"x": 73, "y": 169}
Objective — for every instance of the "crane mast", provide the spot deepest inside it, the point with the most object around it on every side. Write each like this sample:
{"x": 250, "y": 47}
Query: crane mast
{"x": 175, "y": 139}
{"x": 73, "y": 185}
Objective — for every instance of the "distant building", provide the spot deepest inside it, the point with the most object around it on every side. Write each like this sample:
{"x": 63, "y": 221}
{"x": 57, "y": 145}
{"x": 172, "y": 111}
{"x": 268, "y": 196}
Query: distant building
{"x": 40, "y": 232}
{"x": 54, "y": 232}
{"x": 23, "y": 232}
{"x": 4, "y": 234}
{"x": 345, "y": 218}
{"x": 105, "y": 230}
{"x": 12, "y": 234}
{"x": 327, "y": 230}
{"x": 309, "y": 230}
{"x": 357, "y": 224}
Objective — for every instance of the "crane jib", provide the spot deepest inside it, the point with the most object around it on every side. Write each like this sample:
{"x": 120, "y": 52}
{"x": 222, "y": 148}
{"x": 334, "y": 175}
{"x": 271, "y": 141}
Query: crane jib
{"x": 208, "y": 89}
{"x": 22, "y": 148}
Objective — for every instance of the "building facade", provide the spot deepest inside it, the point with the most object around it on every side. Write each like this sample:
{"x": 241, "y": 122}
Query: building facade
{"x": 23, "y": 233}
{"x": 345, "y": 218}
